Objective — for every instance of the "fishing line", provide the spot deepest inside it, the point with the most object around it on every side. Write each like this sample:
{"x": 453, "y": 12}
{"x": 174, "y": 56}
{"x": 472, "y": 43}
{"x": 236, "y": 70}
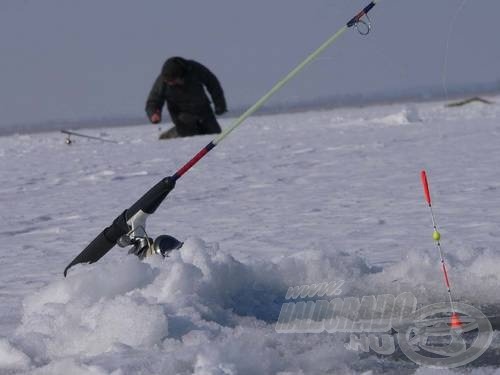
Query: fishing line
{"x": 444, "y": 69}
{"x": 444, "y": 76}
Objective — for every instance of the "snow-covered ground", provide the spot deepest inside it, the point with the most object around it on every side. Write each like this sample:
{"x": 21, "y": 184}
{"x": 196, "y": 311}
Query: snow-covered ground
{"x": 286, "y": 200}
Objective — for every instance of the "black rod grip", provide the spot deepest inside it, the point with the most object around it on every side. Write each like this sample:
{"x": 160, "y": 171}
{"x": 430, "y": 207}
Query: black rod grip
{"x": 150, "y": 201}
{"x": 93, "y": 252}
{"x": 104, "y": 242}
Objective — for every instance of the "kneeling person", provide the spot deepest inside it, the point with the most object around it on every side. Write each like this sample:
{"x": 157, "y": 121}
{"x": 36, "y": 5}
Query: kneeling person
{"x": 181, "y": 85}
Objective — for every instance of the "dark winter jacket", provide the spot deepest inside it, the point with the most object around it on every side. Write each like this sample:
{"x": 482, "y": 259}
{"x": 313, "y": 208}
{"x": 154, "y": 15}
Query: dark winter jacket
{"x": 190, "y": 97}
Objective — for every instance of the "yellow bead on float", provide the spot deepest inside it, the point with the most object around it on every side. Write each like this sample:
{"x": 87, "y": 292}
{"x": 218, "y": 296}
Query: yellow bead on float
{"x": 436, "y": 235}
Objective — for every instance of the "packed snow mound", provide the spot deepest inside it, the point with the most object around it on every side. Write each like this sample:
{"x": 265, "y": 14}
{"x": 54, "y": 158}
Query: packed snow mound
{"x": 90, "y": 312}
{"x": 202, "y": 311}
{"x": 11, "y": 358}
{"x": 472, "y": 273}
{"x": 217, "y": 314}
{"x": 408, "y": 115}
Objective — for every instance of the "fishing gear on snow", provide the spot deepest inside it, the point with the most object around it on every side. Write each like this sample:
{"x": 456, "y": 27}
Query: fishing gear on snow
{"x": 70, "y": 133}
{"x": 129, "y": 226}
{"x": 436, "y": 236}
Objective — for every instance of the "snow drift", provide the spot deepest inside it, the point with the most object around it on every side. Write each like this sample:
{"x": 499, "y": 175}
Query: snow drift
{"x": 202, "y": 311}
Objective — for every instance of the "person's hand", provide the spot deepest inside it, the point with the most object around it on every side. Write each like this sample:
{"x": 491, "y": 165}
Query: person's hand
{"x": 220, "y": 110}
{"x": 156, "y": 118}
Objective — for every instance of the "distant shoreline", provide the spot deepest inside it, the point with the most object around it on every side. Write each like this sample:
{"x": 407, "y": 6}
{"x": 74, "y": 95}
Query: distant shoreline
{"x": 347, "y": 101}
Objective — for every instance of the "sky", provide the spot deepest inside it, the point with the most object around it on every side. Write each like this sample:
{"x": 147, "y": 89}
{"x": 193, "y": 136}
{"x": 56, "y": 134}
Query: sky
{"x": 80, "y": 61}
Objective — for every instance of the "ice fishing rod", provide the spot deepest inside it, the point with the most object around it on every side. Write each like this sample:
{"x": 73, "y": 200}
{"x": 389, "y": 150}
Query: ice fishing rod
{"x": 70, "y": 133}
{"x": 455, "y": 320}
{"x": 133, "y": 220}
{"x": 357, "y": 21}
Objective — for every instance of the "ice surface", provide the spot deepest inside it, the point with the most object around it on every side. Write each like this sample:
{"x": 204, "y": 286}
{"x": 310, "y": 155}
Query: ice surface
{"x": 287, "y": 200}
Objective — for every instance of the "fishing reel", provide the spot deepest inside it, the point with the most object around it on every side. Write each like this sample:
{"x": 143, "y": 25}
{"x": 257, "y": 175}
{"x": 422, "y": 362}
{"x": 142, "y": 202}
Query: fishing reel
{"x": 143, "y": 245}
{"x": 146, "y": 246}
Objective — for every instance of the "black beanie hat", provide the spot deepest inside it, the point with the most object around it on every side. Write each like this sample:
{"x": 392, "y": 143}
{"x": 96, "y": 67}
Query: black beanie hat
{"x": 174, "y": 67}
